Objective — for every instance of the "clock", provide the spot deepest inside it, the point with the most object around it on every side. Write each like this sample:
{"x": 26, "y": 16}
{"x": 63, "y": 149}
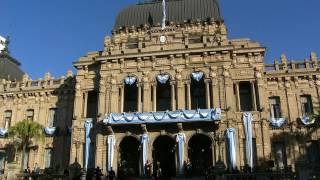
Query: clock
{"x": 163, "y": 39}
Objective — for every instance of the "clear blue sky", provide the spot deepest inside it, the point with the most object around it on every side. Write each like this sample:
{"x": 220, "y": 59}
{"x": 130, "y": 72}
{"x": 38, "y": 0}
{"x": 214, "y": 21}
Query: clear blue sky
{"x": 48, "y": 35}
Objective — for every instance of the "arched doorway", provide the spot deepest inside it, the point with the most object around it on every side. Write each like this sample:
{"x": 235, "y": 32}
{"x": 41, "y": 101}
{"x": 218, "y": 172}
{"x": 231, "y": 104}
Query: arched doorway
{"x": 164, "y": 156}
{"x": 129, "y": 157}
{"x": 200, "y": 153}
{"x": 198, "y": 92}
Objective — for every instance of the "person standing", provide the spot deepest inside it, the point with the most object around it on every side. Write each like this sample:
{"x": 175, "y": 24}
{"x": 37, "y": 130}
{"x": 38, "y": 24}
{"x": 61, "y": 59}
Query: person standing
{"x": 112, "y": 174}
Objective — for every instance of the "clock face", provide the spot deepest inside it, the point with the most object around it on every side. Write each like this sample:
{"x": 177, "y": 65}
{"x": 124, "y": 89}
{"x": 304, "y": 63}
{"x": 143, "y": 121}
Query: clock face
{"x": 163, "y": 39}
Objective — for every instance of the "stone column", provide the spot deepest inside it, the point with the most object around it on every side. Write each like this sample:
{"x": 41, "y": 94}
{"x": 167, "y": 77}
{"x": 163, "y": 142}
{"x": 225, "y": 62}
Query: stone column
{"x": 207, "y": 83}
{"x": 102, "y": 97}
{"x": 154, "y": 96}
{"x": 180, "y": 101}
{"x": 229, "y": 95}
{"x": 253, "y": 89}
{"x": 215, "y": 99}
{"x": 85, "y": 103}
{"x": 188, "y": 96}
{"x": 238, "y": 96}
{"x": 78, "y": 102}
{"x": 121, "y": 99}
{"x": 114, "y": 100}
{"x": 146, "y": 98}
{"x": 146, "y": 93}
{"x": 139, "y": 98}
{"x": 173, "y": 97}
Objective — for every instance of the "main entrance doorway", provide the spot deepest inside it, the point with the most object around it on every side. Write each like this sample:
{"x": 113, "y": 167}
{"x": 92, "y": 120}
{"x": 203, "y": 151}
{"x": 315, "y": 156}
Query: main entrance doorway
{"x": 129, "y": 157}
{"x": 200, "y": 153}
{"x": 164, "y": 156}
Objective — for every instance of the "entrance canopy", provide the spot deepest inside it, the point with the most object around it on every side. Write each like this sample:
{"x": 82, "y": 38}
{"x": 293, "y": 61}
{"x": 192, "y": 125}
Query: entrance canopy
{"x": 199, "y": 115}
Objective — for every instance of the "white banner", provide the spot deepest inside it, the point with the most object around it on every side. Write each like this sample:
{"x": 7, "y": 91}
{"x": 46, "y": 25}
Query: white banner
{"x": 111, "y": 144}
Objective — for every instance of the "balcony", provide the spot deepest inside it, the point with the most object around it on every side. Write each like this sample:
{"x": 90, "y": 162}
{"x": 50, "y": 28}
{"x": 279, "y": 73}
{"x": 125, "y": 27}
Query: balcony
{"x": 199, "y": 115}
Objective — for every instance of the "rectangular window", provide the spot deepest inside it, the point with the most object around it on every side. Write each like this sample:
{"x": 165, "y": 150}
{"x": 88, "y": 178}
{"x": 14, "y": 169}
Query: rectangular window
{"x": 254, "y": 152}
{"x": 246, "y": 98}
{"x": 306, "y": 105}
{"x": 48, "y": 154}
{"x": 275, "y": 108}
{"x": 2, "y": 159}
{"x": 313, "y": 152}
{"x": 279, "y": 152}
{"x": 30, "y": 114}
{"x": 7, "y": 119}
{"x": 52, "y": 117}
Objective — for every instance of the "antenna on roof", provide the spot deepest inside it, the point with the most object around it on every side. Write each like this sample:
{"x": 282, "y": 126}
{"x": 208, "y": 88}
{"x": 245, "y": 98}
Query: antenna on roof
{"x": 164, "y": 14}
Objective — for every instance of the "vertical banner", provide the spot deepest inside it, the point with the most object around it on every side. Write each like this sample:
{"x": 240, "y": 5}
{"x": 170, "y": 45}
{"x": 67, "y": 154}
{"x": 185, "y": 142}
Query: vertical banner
{"x": 145, "y": 152}
{"x": 164, "y": 14}
{"x": 181, "y": 140}
{"x": 231, "y": 136}
{"x": 247, "y": 121}
{"x": 111, "y": 144}
{"x": 88, "y": 125}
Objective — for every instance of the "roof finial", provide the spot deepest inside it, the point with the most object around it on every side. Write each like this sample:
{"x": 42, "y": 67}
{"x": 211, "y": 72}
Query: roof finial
{"x": 164, "y": 14}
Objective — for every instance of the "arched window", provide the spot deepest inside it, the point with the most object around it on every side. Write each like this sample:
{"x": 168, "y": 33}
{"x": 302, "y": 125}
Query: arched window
{"x": 30, "y": 114}
{"x": 52, "y": 117}
{"x": 198, "y": 90}
{"x": 163, "y": 92}
{"x": 130, "y": 103}
{"x": 7, "y": 119}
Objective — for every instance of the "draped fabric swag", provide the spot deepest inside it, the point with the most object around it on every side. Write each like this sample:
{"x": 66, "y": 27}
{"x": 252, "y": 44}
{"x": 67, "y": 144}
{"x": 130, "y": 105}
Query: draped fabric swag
{"x": 88, "y": 125}
{"x": 306, "y": 120}
{"x": 130, "y": 80}
{"x": 197, "y": 75}
{"x": 3, "y": 131}
{"x": 231, "y": 137}
{"x": 247, "y": 121}
{"x": 163, "y": 78}
{"x": 145, "y": 151}
{"x": 50, "y": 130}
{"x": 111, "y": 144}
{"x": 277, "y": 122}
{"x": 164, "y": 117}
{"x": 181, "y": 140}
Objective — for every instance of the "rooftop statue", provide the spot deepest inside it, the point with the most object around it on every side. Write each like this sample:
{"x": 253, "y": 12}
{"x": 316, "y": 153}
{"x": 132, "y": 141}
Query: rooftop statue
{"x": 4, "y": 43}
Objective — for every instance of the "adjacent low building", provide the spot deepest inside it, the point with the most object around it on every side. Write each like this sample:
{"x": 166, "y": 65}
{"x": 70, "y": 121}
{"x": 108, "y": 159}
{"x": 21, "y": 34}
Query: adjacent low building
{"x": 159, "y": 95}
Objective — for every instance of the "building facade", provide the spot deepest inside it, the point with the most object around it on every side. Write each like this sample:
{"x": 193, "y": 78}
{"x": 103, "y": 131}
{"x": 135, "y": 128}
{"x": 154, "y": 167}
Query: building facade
{"x": 164, "y": 94}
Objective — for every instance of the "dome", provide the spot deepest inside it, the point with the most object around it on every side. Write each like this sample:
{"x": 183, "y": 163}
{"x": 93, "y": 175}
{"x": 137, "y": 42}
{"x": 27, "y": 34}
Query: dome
{"x": 10, "y": 68}
{"x": 177, "y": 11}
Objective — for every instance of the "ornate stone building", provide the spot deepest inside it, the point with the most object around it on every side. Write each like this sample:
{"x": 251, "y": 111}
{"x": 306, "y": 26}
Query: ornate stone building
{"x": 165, "y": 93}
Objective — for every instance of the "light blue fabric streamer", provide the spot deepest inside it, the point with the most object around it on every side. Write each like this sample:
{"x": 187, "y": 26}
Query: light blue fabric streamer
{"x": 247, "y": 121}
{"x": 306, "y": 120}
{"x": 231, "y": 136}
{"x": 277, "y": 122}
{"x": 88, "y": 125}
{"x": 145, "y": 151}
{"x": 50, "y": 130}
{"x": 181, "y": 140}
{"x": 163, "y": 78}
{"x": 197, "y": 75}
{"x": 111, "y": 144}
{"x": 164, "y": 117}
{"x": 3, "y": 131}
